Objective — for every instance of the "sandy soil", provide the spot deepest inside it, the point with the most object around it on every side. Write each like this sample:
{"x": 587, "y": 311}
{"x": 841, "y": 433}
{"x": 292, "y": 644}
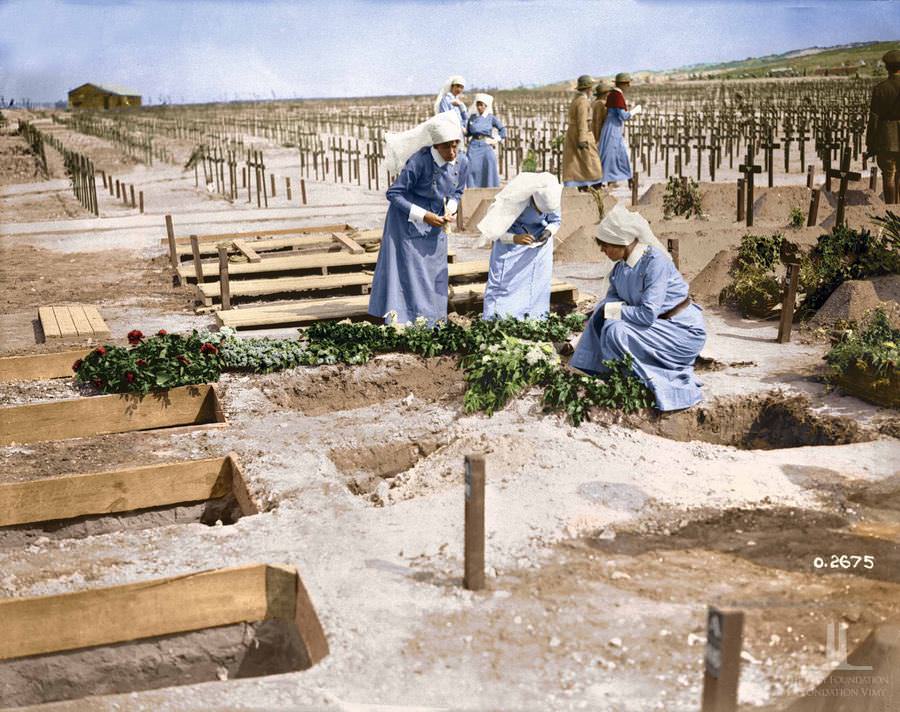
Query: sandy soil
{"x": 606, "y": 542}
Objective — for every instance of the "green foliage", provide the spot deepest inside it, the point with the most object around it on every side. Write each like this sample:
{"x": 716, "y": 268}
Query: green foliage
{"x": 501, "y": 358}
{"x": 682, "y": 197}
{"x": 529, "y": 164}
{"x": 796, "y": 218}
{"x": 874, "y": 348}
{"x": 845, "y": 253}
{"x": 754, "y": 287}
{"x": 160, "y": 362}
{"x": 558, "y": 142}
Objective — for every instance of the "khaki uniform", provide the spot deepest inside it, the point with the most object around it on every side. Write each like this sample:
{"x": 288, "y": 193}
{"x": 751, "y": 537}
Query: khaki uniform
{"x": 883, "y": 133}
{"x": 581, "y": 164}
{"x": 598, "y": 117}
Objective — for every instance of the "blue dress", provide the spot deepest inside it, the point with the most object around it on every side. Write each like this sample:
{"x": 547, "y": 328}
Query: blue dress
{"x": 519, "y": 276}
{"x": 447, "y": 105}
{"x": 411, "y": 271}
{"x": 612, "y": 148}
{"x": 483, "y": 172}
{"x": 664, "y": 350}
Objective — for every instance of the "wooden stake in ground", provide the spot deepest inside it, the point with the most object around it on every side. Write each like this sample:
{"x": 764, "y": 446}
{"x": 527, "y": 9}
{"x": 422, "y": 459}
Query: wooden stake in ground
{"x": 173, "y": 252}
{"x": 474, "y": 536}
{"x": 873, "y": 178}
{"x": 672, "y": 246}
{"x": 740, "y": 199}
{"x": 846, "y": 175}
{"x": 813, "y": 216}
{"x": 635, "y": 181}
{"x": 789, "y": 298}
{"x": 724, "y": 635}
{"x": 198, "y": 265}
{"x": 223, "y": 277}
{"x": 749, "y": 169}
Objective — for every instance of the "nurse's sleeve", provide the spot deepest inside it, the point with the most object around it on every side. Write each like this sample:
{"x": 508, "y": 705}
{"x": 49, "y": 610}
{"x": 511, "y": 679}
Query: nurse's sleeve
{"x": 653, "y": 293}
{"x": 396, "y": 194}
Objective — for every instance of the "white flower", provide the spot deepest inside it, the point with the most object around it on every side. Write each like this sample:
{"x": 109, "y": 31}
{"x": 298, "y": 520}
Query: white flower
{"x": 421, "y": 321}
{"x": 493, "y": 348}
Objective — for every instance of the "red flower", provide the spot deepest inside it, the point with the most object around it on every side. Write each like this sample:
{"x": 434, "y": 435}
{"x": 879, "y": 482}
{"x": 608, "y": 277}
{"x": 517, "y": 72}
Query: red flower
{"x": 184, "y": 359}
{"x": 140, "y": 362}
{"x": 161, "y": 332}
{"x": 98, "y": 382}
{"x": 135, "y": 336}
{"x": 129, "y": 376}
{"x": 76, "y": 365}
{"x": 208, "y": 348}
{"x": 100, "y": 351}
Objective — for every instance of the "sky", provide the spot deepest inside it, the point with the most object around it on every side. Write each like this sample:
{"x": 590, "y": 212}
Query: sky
{"x": 209, "y": 50}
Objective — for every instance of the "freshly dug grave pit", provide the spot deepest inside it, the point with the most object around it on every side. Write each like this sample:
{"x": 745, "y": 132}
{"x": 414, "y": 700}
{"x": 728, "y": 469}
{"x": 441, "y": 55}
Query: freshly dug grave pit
{"x": 768, "y": 421}
{"x": 369, "y": 468}
{"x": 334, "y": 388}
{"x": 270, "y": 647}
{"x": 221, "y": 509}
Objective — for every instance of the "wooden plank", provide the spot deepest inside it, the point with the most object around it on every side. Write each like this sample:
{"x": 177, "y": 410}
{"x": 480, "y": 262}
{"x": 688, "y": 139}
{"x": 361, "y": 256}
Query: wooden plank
{"x": 79, "y": 318}
{"x": 34, "y": 367}
{"x": 246, "y": 250}
{"x": 98, "y": 415}
{"x": 286, "y": 285}
{"x": 354, "y": 247}
{"x": 307, "y": 311}
{"x": 101, "y": 330}
{"x": 64, "y": 319}
{"x": 267, "y": 244}
{"x": 124, "y": 490}
{"x": 287, "y": 264}
{"x": 251, "y": 234}
{"x": 69, "y": 621}
{"x": 48, "y": 322}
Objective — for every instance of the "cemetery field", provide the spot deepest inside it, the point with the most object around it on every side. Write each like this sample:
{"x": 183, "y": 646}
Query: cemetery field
{"x": 239, "y": 522}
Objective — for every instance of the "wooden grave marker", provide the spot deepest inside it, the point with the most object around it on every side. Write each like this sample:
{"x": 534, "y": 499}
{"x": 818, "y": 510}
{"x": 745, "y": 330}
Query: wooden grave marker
{"x": 845, "y": 175}
{"x": 722, "y": 660}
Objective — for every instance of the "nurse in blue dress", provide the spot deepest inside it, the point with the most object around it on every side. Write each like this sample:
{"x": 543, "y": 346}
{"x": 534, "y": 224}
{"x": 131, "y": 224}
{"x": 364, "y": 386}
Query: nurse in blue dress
{"x": 411, "y": 276}
{"x": 483, "y": 172}
{"x": 521, "y": 223}
{"x": 646, "y": 313}
{"x": 449, "y": 99}
{"x": 613, "y": 149}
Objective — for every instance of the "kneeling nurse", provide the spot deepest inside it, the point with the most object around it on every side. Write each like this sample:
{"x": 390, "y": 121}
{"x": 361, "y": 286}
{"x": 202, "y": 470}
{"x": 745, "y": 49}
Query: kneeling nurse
{"x": 521, "y": 222}
{"x": 646, "y": 313}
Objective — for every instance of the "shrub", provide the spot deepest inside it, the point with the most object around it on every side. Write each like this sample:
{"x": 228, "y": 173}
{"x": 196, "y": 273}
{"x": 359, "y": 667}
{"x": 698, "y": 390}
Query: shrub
{"x": 529, "y": 163}
{"x": 845, "y": 253}
{"x": 864, "y": 361}
{"x": 796, "y": 218}
{"x": 755, "y": 289}
{"x": 682, "y": 197}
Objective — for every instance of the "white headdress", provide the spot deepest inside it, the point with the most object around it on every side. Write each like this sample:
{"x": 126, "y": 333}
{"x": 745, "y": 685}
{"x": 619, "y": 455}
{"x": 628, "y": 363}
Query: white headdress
{"x": 513, "y": 199}
{"x": 454, "y": 79}
{"x": 438, "y": 129}
{"x": 485, "y": 99}
{"x": 622, "y": 227}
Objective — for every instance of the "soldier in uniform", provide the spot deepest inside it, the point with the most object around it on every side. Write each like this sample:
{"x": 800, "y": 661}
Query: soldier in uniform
{"x": 581, "y": 162}
{"x": 598, "y": 108}
{"x": 883, "y": 134}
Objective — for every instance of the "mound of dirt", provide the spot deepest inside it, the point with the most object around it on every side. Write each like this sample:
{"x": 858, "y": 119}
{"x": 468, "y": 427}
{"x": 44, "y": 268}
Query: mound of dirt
{"x": 335, "y": 388}
{"x": 774, "y": 204}
{"x": 718, "y": 200}
{"x": 856, "y": 297}
{"x": 712, "y": 279}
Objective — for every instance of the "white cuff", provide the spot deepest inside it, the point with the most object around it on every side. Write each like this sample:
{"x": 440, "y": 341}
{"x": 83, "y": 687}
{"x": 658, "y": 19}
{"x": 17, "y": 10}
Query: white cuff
{"x": 507, "y": 238}
{"x": 553, "y": 228}
{"x": 613, "y": 310}
{"x": 452, "y": 204}
{"x": 417, "y": 214}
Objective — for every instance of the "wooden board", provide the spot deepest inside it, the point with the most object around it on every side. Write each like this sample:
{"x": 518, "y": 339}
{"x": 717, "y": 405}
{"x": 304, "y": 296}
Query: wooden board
{"x": 194, "y": 601}
{"x": 354, "y": 247}
{"x": 288, "y": 263}
{"x": 99, "y": 415}
{"x": 36, "y": 367}
{"x": 308, "y": 311}
{"x": 267, "y": 244}
{"x": 209, "y": 291}
{"x": 251, "y": 234}
{"x": 72, "y": 320}
{"x": 246, "y": 251}
{"x": 122, "y": 490}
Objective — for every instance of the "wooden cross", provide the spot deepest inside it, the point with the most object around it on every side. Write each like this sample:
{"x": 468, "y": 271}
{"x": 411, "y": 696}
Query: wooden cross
{"x": 802, "y": 138}
{"x": 787, "y": 140}
{"x": 749, "y": 169}
{"x": 825, "y": 148}
{"x": 846, "y": 175}
{"x": 770, "y": 147}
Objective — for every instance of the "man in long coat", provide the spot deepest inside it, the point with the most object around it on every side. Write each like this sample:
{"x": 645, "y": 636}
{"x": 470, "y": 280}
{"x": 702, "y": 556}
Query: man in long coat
{"x": 883, "y": 134}
{"x": 598, "y": 108}
{"x": 581, "y": 163}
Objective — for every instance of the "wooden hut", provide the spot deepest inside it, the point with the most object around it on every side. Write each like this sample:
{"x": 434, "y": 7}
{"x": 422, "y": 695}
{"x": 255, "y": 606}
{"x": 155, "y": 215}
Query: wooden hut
{"x": 100, "y": 98}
